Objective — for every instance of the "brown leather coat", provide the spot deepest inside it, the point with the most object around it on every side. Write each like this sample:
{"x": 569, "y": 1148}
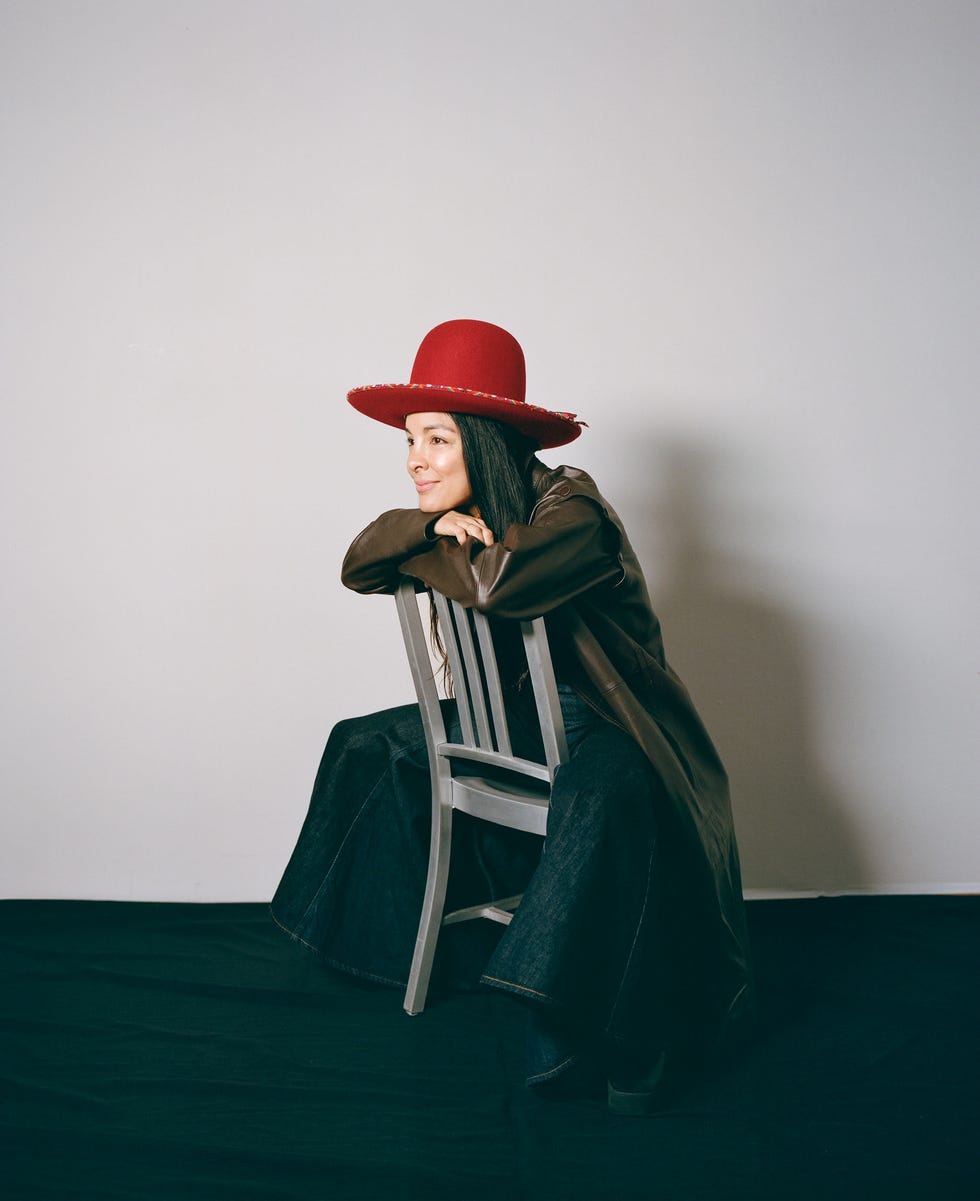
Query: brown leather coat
{"x": 573, "y": 562}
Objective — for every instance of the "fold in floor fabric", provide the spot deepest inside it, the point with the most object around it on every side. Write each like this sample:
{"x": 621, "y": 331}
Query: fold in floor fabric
{"x": 191, "y": 1051}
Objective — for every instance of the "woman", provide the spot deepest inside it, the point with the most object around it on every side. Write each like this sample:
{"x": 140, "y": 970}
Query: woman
{"x": 629, "y": 946}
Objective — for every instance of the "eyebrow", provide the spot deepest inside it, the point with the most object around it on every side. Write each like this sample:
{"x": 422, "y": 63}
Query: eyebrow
{"x": 439, "y": 425}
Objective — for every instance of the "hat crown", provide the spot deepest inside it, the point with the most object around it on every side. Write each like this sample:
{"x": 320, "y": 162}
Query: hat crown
{"x": 474, "y": 355}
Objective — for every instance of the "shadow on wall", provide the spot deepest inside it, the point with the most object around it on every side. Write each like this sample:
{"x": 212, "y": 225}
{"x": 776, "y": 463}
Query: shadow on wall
{"x": 743, "y": 658}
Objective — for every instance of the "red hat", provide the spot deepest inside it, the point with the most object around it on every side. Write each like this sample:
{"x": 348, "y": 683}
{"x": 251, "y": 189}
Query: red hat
{"x": 467, "y": 367}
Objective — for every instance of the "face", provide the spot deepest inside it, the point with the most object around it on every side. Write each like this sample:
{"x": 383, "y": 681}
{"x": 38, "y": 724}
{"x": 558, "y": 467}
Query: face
{"x": 435, "y": 462}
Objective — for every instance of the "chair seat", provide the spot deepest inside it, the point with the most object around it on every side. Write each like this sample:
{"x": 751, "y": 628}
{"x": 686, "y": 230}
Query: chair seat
{"x": 517, "y": 805}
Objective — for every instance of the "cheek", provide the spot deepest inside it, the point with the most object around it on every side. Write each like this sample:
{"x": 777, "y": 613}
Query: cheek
{"x": 460, "y": 476}
{"x": 449, "y": 464}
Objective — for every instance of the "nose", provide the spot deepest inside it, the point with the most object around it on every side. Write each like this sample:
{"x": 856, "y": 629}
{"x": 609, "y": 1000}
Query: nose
{"x": 416, "y": 459}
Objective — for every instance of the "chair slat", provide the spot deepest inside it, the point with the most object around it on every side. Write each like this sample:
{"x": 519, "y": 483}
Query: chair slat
{"x": 473, "y": 680}
{"x": 495, "y": 692}
{"x": 451, "y": 644}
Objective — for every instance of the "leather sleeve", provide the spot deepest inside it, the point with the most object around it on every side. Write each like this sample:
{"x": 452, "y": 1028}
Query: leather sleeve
{"x": 372, "y": 561}
{"x": 570, "y": 547}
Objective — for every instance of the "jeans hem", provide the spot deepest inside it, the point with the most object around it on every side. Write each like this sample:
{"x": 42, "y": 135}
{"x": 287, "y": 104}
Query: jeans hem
{"x": 335, "y": 963}
{"x": 520, "y": 990}
{"x": 551, "y": 1073}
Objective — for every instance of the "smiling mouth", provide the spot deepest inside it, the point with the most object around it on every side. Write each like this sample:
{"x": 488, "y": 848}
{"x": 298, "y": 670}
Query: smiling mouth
{"x": 425, "y": 485}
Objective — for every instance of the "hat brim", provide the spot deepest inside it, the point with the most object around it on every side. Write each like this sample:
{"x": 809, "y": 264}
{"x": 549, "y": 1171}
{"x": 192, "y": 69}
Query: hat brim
{"x": 391, "y": 403}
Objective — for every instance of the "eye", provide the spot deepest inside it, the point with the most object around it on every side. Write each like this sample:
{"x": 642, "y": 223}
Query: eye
{"x": 437, "y": 438}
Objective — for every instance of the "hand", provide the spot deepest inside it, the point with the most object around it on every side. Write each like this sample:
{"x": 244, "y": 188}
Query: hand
{"x": 462, "y": 526}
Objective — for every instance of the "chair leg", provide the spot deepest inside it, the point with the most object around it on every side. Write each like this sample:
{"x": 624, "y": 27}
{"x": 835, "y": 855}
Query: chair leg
{"x": 433, "y": 904}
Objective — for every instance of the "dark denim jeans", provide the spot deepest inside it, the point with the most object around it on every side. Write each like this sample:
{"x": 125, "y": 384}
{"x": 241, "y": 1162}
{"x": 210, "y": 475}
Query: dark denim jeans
{"x": 584, "y": 948}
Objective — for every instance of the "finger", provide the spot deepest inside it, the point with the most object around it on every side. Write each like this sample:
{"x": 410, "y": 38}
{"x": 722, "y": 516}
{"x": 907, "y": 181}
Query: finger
{"x": 479, "y": 529}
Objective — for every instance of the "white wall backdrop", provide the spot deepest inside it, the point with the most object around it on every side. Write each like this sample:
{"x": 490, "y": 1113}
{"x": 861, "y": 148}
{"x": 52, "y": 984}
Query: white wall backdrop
{"x": 739, "y": 238}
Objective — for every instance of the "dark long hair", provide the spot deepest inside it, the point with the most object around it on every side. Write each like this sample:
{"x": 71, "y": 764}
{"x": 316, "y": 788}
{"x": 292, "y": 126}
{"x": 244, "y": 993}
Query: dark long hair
{"x": 498, "y": 464}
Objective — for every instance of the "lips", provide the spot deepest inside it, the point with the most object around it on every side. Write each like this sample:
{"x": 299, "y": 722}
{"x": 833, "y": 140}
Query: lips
{"x": 425, "y": 485}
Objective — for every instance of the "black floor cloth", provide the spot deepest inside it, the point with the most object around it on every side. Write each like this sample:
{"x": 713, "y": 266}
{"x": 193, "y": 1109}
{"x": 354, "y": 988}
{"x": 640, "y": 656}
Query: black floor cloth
{"x": 191, "y": 1051}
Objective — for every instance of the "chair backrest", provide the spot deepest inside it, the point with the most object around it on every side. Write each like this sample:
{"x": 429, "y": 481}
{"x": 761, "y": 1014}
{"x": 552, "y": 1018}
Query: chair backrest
{"x": 486, "y": 736}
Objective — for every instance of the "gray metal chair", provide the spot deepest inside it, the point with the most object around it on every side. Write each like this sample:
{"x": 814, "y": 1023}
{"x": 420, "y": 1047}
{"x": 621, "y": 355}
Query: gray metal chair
{"x": 519, "y": 792}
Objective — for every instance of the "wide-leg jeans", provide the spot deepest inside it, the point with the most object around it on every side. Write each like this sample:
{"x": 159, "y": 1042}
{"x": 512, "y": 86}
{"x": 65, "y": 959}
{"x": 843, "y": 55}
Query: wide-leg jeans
{"x": 589, "y": 947}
